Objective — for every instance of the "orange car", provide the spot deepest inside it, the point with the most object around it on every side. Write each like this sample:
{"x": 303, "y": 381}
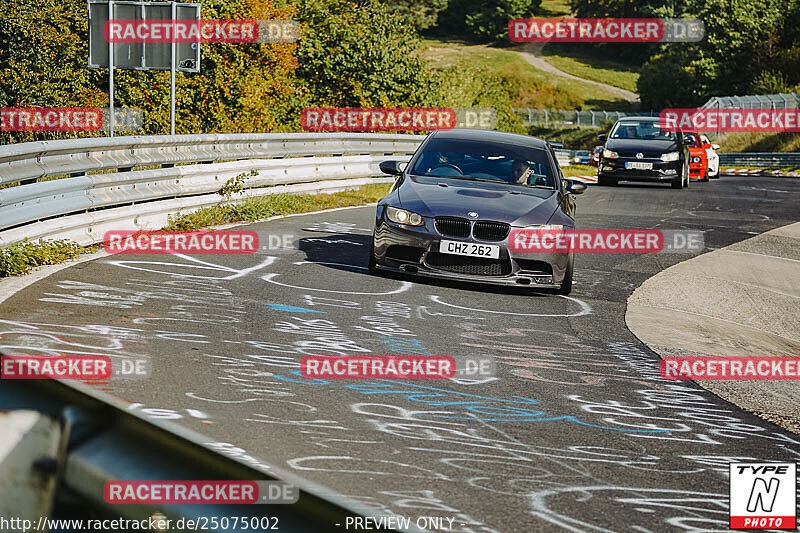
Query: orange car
{"x": 698, "y": 158}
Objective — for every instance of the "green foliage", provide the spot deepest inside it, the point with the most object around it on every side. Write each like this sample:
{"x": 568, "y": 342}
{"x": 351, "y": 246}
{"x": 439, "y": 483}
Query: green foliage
{"x": 357, "y": 53}
{"x": 731, "y": 59}
{"x": 235, "y": 185}
{"x": 421, "y": 14}
{"x": 241, "y": 87}
{"x": 573, "y": 138}
{"x": 469, "y": 85}
{"x": 484, "y": 21}
{"x": 19, "y": 258}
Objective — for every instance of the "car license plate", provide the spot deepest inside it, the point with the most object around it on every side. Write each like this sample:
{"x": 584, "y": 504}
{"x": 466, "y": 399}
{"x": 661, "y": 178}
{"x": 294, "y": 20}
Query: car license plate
{"x": 471, "y": 249}
{"x": 638, "y": 165}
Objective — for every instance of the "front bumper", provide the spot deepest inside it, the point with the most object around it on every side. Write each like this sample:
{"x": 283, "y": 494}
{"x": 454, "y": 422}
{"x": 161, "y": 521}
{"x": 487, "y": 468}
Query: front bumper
{"x": 661, "y": 171}
{"x": 415, "y": 250}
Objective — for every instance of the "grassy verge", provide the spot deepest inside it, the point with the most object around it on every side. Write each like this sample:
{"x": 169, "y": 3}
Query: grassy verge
{"x": 573, "y": 138}
{"x": 763, "y": 169}
{"x": 589, "y": 63}
{"x": 529, "y": 87}
{"x": 578, "y": 170}
{"x": 758, "y": 142}
{"x": 19, "y": 258}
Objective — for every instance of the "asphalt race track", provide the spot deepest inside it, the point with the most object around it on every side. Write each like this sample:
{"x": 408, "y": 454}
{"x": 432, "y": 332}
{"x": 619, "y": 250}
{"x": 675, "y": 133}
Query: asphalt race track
{"x": 578, "y": 432}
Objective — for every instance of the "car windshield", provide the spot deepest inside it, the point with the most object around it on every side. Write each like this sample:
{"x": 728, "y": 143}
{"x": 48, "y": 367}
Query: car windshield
{"x": 646, "y": 130}
{"x": 485, "y": 161}
{"x": 582, "y": 152}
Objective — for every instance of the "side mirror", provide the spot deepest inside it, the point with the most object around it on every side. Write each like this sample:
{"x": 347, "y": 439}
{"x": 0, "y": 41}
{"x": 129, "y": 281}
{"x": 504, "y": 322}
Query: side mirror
{"x": 395, "y": 168}
{"x": 575, "y": 186}
{"x": 715, "y": 146}
{"x": 602, "y": 137}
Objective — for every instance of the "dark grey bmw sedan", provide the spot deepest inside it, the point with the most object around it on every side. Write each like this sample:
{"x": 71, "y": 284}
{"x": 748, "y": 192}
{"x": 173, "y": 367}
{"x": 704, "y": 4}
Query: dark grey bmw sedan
{"x": 454, "y": 204}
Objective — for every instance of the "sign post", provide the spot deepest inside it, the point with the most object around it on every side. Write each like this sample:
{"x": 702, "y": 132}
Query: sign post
{"x": 172, "y": 56}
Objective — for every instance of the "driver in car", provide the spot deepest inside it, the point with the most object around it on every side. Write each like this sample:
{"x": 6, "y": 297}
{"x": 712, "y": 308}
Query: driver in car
{"x": 520, "y": 171}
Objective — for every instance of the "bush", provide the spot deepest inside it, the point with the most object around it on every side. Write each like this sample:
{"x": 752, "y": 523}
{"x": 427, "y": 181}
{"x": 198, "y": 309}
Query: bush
{"x": 19, "y": 258}
{"x": 357, "y": 53}
{"x": 484, "y": 21}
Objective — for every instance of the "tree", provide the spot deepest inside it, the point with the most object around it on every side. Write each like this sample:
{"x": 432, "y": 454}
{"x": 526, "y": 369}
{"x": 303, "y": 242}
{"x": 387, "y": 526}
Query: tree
{"x": 241, "y": 87}
{"x": 484, "y": 21}
{"x": 358, "y": 53}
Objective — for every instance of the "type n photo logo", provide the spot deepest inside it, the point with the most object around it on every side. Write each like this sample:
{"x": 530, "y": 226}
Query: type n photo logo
{"x": 763, "y": 496}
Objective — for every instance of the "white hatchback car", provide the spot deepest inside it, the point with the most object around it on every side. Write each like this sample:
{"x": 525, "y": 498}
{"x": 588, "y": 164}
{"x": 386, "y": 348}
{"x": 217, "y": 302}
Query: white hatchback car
{"x": 713, "y": 157}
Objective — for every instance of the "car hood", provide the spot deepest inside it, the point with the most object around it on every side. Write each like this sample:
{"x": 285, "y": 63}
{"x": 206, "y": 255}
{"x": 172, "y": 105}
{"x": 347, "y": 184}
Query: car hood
{"x": 515, "y": 205}
{"x": 641, "y": 145}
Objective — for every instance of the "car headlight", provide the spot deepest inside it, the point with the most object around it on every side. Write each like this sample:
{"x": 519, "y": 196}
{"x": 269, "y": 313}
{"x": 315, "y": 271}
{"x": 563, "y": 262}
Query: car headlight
{"x": 608, "y": 154}
{"x": 695, "y": 159}
{"x": 401, "y": 216}
{"x": 670, "y": 156}
{"x": 546, "y": 226}
{"x": 576, "y": 159}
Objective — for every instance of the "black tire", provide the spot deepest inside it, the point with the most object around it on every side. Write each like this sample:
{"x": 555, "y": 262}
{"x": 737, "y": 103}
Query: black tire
{"x": 715, "y": 176}
{"x": 371, "y": 265}
{"x": 705, "y": 178}
{"x": 566, "y": 285}
{"x": 602, "y": 180}
{"x": 678, "y": 183}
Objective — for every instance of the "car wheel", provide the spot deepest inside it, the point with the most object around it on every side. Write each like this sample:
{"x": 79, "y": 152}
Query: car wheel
{"x": 705, "y": 178}
{"x": 566, "y": 285}
{"x": 371, "y": 265}
{"x": 678, "y": 182}
{"x": 715, "y": 176}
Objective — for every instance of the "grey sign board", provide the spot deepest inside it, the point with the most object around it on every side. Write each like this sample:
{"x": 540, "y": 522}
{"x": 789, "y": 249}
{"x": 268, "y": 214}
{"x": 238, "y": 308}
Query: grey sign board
{"x": 141, "y": 56}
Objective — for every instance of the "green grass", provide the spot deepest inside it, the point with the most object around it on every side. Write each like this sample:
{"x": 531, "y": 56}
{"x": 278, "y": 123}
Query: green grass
{"x": 530, "y": 86}
{"x": 578, "y": 170}
{"x": 587, "y": 62}
{"x": 19, "y": 258}
{"x": 573, "y": 138}
{"x": 554, "y": 8}
{"x": 260, "y": 207}
{"x": 758, "y": 142}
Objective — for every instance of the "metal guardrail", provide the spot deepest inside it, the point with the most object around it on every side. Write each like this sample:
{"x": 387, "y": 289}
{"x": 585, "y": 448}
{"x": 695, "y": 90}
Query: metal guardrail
{"x": 761, "y": 159}
{"x": 102, "y": 440}
{"x": 572, "y": 118}
{"x": 81, "y": 206}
